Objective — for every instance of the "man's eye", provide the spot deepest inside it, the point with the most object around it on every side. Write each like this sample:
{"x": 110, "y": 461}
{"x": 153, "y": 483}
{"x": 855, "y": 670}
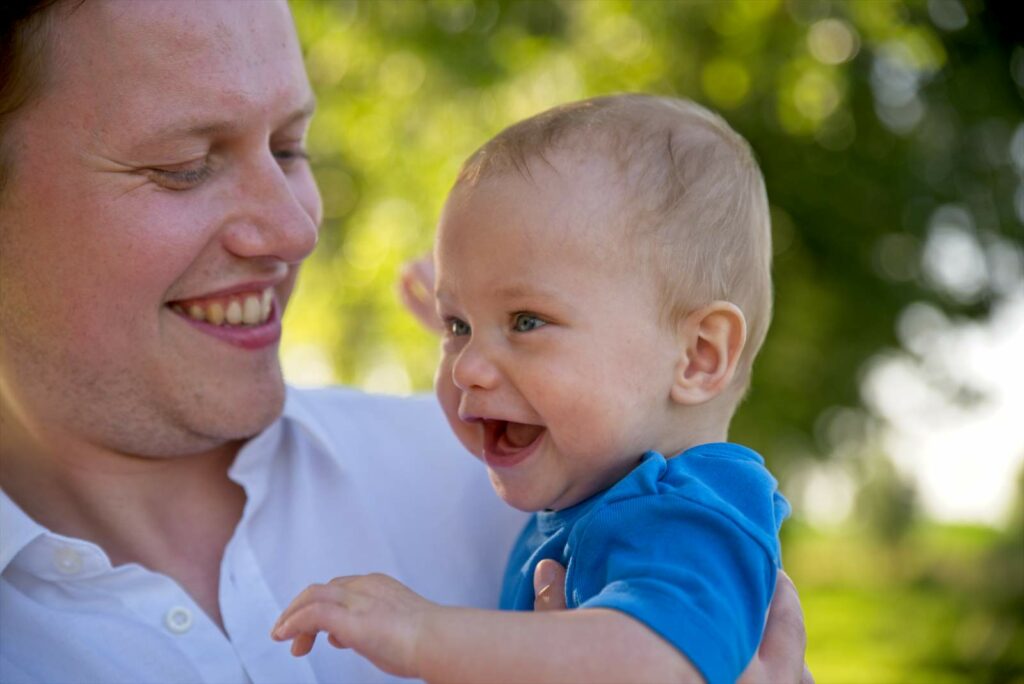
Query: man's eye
{"x": 524, "y": 322}
{"x": 183, "y": 179}
{"x": 291, "y": 155}
{"x": 457, "y": 327}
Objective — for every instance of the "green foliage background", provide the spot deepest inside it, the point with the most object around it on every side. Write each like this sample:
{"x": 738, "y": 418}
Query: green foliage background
{"x": 873, "y": 121}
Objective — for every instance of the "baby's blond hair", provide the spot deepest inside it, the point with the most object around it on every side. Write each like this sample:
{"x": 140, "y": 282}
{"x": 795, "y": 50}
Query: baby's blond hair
{"x": 692, "y": 196}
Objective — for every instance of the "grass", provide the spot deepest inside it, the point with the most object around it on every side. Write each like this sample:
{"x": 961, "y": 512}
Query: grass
{"x": 925, "y": 610}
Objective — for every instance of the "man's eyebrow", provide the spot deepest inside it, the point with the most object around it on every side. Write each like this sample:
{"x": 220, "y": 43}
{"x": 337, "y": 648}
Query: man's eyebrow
{"x": 205, "y": 127}
{"x": 303, "y": 112}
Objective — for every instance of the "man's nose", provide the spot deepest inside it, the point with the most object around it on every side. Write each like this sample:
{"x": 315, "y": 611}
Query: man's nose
{"x": 277, "y": 214}
{"x": 474, "y": 369}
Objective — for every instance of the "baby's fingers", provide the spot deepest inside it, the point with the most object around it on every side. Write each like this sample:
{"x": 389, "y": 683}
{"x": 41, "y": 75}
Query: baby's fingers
{"x": 327, "y": 617}
{"x": 416, "y": 289}
{"x": 303, "y": 644}
{"x": 314, "y": 593}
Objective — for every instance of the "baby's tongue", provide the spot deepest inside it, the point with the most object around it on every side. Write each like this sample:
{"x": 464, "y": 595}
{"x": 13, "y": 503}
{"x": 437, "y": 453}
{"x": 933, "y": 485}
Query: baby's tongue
{"x": 519, "y": 434}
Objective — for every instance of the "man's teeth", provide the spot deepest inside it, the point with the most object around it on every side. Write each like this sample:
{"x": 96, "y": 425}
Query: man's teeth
{"x": 234, "y": 312}
{"x": 249, "y": 309}
{"x": 215, "y": 313}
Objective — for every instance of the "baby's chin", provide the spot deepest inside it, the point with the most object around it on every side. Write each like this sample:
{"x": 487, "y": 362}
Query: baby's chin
{"x": 532, "y": 499}
{"x": 516, "y": 502}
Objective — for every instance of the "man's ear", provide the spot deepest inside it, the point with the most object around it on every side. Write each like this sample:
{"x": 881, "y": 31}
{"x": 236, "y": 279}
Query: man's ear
{"x": 711, "y": 340}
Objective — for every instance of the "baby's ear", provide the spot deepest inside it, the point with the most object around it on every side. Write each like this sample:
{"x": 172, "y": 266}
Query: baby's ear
{"x": 711, "y": 340}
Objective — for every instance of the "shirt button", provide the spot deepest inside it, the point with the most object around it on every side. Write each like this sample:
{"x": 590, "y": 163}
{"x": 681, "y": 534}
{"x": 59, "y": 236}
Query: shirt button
{"x": 67, "y": 560}
{"x": 178, "y": 620}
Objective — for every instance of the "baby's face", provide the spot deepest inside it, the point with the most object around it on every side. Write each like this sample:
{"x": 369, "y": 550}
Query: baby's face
{"x": 556, "y": 367}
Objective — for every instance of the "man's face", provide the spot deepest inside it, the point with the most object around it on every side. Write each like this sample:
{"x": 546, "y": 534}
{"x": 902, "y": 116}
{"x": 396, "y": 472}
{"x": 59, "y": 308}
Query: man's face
{"x": 556, "y": 367}
{"x": 158, "y": 179}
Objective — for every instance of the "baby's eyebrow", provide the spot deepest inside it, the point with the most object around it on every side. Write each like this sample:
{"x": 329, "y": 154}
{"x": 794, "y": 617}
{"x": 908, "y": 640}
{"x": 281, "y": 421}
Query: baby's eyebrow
{"x": 524, "y": 291}
{"x": 514, "y": 291}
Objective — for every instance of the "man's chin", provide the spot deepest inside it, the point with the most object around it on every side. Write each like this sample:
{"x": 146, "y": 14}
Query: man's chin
{"x": 219, "y": 421}
{"x": 245, "y": 419}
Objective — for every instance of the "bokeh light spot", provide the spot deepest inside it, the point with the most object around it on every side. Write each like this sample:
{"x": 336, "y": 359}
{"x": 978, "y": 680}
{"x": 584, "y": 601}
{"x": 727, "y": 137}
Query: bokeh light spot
{"x": 948, "y": 15}
{"x": 815, "y": 95}
{"x": 401, "y": 74}
{"x": 726, "y": 82}
{"x": 832, "y": 41}
{"x": 953, "y": 260}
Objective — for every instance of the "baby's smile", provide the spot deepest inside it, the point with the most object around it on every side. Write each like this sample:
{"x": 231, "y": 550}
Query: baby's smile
{"x": 507, "y": 442}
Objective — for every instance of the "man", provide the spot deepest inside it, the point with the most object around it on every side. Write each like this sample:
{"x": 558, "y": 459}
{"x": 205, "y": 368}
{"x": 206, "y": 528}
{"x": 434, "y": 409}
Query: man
{"x": 163, "y": 496}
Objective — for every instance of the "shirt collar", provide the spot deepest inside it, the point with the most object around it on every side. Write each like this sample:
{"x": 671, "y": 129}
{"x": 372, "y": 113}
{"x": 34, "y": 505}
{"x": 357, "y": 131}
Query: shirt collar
{"x": 250, "y": 469}
{"x": 252, "y": 465}
{"x": 298, "y": 410}
{"x": 17, "y": 530}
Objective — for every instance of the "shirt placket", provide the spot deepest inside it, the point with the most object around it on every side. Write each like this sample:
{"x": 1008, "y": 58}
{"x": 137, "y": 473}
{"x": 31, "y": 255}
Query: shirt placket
{"x": 249, "y": 610}
{"x": 160, "y": 602}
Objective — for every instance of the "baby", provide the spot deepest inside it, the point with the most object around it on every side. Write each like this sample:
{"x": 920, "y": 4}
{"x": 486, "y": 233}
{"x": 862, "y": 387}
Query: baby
{"x": 603, "y": 274}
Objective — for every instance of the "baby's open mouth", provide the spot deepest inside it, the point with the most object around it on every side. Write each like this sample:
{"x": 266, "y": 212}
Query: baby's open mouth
{"x": 504, "y": 438}
{"x": 242, "y": 309}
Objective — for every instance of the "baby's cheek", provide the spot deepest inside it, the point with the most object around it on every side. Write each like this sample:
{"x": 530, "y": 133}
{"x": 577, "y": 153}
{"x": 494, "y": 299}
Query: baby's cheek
{"x": 589, "y": 419}
{"x": 449, "y": 396}
{"x": 471, "y": 436}
{"x": 598, "y": 433}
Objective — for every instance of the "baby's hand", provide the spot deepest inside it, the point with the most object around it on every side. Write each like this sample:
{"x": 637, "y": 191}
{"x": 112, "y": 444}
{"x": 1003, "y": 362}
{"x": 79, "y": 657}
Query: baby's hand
{"x": 416, "y": 290}
{"x": 375, "y": 615}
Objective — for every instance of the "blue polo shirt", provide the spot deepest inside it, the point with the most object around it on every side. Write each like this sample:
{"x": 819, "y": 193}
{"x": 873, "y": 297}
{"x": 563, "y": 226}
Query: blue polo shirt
{"x": 688, "y": 546}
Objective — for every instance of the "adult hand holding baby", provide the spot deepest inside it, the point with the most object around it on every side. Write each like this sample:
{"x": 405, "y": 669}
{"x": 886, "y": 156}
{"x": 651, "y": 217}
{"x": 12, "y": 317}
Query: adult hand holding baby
{"x": 781, "y": 655}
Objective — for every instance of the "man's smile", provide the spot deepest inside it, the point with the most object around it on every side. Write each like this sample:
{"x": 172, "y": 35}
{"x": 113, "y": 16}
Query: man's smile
{"x": 239, "y": 309}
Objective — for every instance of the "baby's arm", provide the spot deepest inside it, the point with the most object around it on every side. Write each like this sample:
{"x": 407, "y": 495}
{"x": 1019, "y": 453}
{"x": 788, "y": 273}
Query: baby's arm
{"x": 406, "y": 635}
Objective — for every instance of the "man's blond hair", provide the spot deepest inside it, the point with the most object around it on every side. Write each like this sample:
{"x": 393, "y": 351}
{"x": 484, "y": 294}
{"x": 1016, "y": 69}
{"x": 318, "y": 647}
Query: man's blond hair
{"x": 691, "y": 192}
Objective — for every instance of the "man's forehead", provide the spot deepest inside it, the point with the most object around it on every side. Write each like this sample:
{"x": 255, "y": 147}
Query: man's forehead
{"x": 178, "y": 63}
{"x": 168, "y": 26}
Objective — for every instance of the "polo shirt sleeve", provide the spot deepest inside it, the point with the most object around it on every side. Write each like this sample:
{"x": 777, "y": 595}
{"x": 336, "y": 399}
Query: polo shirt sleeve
{"x": 687, "y": 568}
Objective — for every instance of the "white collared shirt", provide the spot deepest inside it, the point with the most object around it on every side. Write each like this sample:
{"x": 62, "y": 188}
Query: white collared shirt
{"x": 343, "y": 483}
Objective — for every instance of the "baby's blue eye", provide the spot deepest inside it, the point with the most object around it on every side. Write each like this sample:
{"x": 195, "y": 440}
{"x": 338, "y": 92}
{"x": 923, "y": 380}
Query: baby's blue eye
{"x": 458, "y": 327}
{"x": 524, "y": 322}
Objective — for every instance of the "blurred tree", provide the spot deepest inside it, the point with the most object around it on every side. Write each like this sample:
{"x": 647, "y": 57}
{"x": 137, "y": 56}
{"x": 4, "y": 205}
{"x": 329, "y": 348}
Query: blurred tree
{"x": 886, "y": 501}
{"x": 890, "y": 134}
{"x": 988, "y": 643}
